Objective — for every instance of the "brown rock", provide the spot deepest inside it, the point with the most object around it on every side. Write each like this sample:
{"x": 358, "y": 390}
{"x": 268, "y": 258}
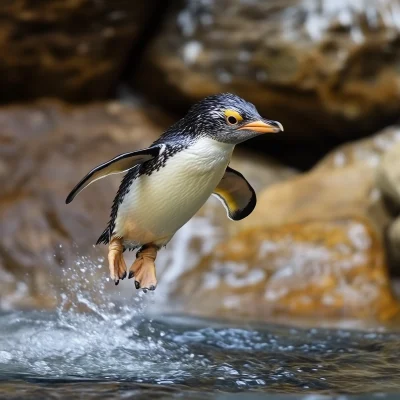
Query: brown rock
{"x": 342, "y": 185}
{"x": 388, "y": 181}
{"x": 393, "y": 243}
{"x": 313, "y": 246}
{"x": 316, "y": 67}
{"x": 72, "y": 49}
{"x": 45, "y": 149}
{"x": 321, "y": 269}
{"x": 388, "y": 175}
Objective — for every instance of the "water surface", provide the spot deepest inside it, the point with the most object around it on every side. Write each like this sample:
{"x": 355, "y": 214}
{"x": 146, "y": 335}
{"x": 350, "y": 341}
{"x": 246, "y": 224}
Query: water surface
{"x": 93, "y": 346}
{"x": 120, "y": 353}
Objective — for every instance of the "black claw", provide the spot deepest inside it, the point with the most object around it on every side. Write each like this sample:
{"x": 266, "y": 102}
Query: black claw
{"x": 152, "y": 287}
{"x": 123, "y": 276}
{"x": 116, "y": 283}
{"x": 130, "y": 275}
{"x": 137, "y": 285}
{"x": 144, "y": 290}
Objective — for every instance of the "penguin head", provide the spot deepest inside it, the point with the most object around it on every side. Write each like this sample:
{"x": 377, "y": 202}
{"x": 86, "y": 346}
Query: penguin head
{"x": 228, "y": 118}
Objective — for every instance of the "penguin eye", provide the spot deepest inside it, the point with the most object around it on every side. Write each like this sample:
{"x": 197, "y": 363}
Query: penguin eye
{"x": 232, "y": 117}
{"x": 232, "y": 120}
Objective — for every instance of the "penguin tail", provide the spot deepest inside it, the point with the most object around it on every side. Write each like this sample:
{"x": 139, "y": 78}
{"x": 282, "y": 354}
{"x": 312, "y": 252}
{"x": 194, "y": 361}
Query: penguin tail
{"x": 105, "y": 236}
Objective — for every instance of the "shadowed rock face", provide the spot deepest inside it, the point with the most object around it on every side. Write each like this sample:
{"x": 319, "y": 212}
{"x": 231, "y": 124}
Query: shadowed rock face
{"x": 45, "y": 150}
{"x": 319, "y": 67}
{"x": 315, "y": 244}
{"x": 388, "y": 181}
{"x": 388, "y": 175}
{"x": 71, "y": 49}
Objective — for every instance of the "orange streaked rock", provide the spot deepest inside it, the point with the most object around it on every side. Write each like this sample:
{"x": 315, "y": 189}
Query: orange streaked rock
{"x": 318, "y": 269}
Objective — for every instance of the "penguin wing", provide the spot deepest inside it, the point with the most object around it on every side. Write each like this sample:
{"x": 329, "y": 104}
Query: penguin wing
{"x": 117, "y": 165}
{"x": 236, "y": 195}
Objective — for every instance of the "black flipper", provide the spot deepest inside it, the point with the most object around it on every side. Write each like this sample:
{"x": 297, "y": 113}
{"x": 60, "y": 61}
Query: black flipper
{"x": 236, "y": 194}
{"x": 117, "y": 165}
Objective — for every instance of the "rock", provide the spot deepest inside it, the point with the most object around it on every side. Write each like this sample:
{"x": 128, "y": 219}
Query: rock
{"x": 388, "y": 175}
{"x": 314, "y": 245}
{"x": 72, "y": 49}
{"x": 341, "y": 185}
{"x": 393, "y": 243}
{"x": 315, "y": 66}
{"x": 260, "y": 171}
{"x": 45, "y": 149}
{"x": 326, "y": 269}
{"x": 388, "y": 181}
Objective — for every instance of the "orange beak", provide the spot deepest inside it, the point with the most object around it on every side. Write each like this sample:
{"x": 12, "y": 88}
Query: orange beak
{"x": 265, "y": 126}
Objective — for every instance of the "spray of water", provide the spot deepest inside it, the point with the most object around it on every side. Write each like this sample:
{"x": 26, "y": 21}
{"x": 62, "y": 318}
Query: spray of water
{"x": 106, "y": 335}
{"x": 91, "y": 334}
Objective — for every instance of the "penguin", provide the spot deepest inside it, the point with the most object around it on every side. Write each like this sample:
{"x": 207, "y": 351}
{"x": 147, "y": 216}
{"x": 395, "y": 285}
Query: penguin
{"x": 167, "y": 183}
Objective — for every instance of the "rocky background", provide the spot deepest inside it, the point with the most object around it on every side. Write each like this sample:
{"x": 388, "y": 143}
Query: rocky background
{"x": 84, "y": 80}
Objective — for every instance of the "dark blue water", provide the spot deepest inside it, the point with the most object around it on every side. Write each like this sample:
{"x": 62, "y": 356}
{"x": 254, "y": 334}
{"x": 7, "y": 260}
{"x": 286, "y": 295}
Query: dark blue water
{"x": 116, "y": 351}
{"x": 42, "y": 353}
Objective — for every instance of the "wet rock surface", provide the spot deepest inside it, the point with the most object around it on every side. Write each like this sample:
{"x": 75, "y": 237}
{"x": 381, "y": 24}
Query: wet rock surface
{"x": 343, "y": 184}
{"x": 68, "y": 49}
{"x": 388, "y": 175}
{"x": 388, "y": 181}
{"x": 327, "y": 269}
{"x": 45, "y": 150}
{"x": 319, "y": 67}
{"x": 315, "y": 244}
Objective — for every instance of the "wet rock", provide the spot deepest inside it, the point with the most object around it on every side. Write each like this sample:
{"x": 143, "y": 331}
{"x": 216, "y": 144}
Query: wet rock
{"x": 328, "y": 269}
{"x": 45, "y": 149}
{"x": 315, "y": 66}
{"x": 393, "y": 243}
{"x": 341, "y": 185}
{"x": 388, "y": 175}
{"x": 388, "y": 181}
{"x": 350, "y": 181}
{"x": 314, "y": 245}
{"x": 66, "y": 48}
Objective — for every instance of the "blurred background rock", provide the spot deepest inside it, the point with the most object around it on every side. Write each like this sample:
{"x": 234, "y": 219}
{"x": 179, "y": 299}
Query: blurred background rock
{"x": 84, "y": 80}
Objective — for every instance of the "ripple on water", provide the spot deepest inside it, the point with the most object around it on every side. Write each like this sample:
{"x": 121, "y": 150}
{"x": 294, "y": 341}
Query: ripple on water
{"x": 119, "y": 345}
{"x": 198, "y": 354}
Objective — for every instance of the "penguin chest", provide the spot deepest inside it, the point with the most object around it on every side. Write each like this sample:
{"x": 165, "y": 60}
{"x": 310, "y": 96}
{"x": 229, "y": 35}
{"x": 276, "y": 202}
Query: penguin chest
{"x": 157, "y": 205}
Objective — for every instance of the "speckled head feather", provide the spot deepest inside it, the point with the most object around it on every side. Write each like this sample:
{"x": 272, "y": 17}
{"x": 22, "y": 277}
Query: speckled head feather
{"x": 221, "y": 117}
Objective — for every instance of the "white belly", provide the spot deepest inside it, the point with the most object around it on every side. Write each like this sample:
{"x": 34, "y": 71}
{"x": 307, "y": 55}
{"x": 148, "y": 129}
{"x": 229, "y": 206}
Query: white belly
{"x": 158, "y": 205}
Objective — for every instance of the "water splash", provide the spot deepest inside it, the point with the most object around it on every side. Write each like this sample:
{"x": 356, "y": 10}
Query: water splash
{"x": 89, "y": 336}
{"x": 92, "y": 337}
